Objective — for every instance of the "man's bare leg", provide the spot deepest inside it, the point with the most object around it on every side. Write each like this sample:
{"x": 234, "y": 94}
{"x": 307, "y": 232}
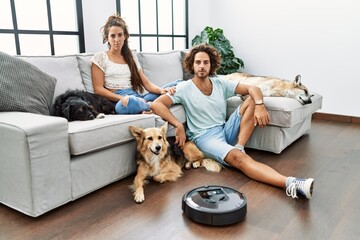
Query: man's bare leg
{"x": 255, "y": 170}
{"x": 247, "y": 124}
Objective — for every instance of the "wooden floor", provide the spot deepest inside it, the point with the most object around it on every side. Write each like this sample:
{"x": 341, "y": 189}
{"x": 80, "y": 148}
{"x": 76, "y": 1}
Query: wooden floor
{"x": 330, "y": 153}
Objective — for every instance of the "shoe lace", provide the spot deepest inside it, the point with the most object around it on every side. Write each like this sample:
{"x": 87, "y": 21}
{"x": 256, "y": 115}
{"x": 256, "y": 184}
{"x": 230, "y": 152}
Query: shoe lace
{"x": 291, "y": 190}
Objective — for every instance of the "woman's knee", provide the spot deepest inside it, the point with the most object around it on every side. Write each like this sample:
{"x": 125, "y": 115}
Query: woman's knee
{"x": 123, "y": 106}
{"x": 130, "y": 104}
{"x": 125, "y": 101}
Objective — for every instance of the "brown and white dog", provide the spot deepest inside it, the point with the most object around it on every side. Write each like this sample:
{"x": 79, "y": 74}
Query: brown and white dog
{"x": 163, "y": 161}
{"x": 274, "y": 87}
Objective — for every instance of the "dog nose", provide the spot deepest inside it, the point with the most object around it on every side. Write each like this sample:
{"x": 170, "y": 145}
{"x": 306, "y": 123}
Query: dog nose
{"x": 158, "y": 148}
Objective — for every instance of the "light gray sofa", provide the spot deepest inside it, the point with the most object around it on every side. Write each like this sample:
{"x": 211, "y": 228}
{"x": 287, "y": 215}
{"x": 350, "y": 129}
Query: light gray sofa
{"x": 46, "y": 161}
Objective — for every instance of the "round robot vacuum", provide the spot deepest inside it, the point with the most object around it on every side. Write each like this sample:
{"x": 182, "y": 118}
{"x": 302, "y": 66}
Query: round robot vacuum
{"x": 214, "y": 205}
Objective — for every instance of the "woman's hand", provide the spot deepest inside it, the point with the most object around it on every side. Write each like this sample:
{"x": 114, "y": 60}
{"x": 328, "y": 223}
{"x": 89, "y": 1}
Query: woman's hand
{"x": 170, "y": 90}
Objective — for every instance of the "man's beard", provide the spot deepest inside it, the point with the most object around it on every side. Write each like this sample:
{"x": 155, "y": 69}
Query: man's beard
{"x": 202, "y": 75}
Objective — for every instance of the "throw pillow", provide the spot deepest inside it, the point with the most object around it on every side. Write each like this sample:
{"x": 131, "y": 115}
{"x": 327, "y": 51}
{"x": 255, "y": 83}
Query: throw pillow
{"x": 23, "y": 87}
{"x": 186, "y": 74}
{"x": 64, "y": 68}
{"x": 161, "y": 67}
{"x": 85, "y": 70}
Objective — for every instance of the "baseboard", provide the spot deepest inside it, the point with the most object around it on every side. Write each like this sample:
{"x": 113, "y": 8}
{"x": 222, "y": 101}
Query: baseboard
{"x": 335, "y": 117}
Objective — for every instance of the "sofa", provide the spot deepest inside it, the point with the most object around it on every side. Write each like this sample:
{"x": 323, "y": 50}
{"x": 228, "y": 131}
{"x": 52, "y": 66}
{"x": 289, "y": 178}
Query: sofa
{"x": 47, "y": 161}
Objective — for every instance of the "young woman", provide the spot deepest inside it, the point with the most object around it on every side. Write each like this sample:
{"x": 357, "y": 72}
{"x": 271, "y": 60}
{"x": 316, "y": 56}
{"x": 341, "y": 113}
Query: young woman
{"x": 117, "y": 75}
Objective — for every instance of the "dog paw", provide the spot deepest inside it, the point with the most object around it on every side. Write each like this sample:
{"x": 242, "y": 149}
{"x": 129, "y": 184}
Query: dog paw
{"x": 100, "y": 115}
{"x": 187, "y": 165}
{"x": 139, "y": 196}
{"x": 211, "y": 165}
{"x": 196, "y": 164}
{"x": 159, "y": 178}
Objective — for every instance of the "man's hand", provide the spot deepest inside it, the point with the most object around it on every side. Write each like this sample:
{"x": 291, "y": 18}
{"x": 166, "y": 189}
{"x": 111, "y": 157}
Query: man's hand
{"x": 262, "y": 117}
{"x": 180, "y": 136}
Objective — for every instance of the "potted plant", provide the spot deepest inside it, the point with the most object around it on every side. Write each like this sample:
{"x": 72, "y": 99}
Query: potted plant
{"x": 216, "y": 38}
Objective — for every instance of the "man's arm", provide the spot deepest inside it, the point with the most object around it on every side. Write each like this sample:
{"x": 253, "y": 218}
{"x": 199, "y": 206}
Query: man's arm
{"x": 161, "y": 107}
{"x": 261, "y": 115}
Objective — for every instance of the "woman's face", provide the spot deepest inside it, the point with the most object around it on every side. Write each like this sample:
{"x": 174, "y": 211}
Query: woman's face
{"x": 116, "y": 38}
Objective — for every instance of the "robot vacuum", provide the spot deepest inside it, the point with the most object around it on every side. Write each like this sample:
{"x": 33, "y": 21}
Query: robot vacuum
{"x": 214, "y": 205}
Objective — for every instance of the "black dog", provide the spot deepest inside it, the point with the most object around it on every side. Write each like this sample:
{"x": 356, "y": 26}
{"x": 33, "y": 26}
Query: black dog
{"x": 81, "y": 105}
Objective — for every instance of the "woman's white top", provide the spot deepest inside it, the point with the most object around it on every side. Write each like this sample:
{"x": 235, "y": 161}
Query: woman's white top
{"x": 117, "y": 75}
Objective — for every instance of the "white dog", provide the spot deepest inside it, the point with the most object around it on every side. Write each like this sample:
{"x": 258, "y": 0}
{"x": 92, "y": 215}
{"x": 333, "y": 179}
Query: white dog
{"x": 274, "y": 87}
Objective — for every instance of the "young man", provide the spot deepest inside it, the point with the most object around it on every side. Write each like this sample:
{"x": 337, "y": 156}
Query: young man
{"x": 204, "y": 100}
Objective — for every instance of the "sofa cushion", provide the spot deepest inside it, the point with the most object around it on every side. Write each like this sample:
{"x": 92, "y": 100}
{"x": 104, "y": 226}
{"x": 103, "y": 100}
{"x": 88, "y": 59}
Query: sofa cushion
{"x": 275, "y": 139}
{"x": 161, "y": 67}
{"x": 186, "y": 74}
{"x": 85, "y": 70}
{"x": 284, "y": 112}
{"x": 64, "y": 68}
{"x": 24, "y": 88}
{"x": 98, "y": 134}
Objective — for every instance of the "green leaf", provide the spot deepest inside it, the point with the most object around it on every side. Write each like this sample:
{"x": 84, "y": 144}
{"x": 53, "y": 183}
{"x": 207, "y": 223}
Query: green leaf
{"x": 216, "y": 38}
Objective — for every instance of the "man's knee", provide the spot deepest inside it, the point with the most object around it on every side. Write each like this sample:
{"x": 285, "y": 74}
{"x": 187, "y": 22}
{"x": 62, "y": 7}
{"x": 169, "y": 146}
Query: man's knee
{"x": 236, "y": 158}
{"x": 248, "y": 106}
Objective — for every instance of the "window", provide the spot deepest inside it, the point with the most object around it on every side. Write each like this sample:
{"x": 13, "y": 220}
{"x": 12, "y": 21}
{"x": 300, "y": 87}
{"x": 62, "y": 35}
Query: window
{"x": 156, "y": 25}
{"x": 51, "y": 27}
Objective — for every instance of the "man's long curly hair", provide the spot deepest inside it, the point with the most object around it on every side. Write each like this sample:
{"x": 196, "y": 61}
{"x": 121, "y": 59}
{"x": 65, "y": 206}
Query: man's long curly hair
{"x": 116, "y": 20}
{"x": 215, "y": 58}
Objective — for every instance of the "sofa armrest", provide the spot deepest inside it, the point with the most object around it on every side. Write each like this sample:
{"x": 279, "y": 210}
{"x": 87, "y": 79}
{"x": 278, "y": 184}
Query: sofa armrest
{"x": 35, "y": 162}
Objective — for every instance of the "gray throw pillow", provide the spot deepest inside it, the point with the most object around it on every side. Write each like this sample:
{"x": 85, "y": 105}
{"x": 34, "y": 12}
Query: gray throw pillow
{"x": 161, "y": 67}
{"x": 186, "y": 74}
{"x": 23, "y": 87}
{"x": 85, "y": 70}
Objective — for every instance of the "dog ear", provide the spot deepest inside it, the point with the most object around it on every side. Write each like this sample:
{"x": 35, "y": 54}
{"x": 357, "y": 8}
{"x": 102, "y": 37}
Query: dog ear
{"x": 165, "y": 127}
{"x": 66, "y": 112}
{"x": 136, "y": 132}
{"x": 297, "y": 80}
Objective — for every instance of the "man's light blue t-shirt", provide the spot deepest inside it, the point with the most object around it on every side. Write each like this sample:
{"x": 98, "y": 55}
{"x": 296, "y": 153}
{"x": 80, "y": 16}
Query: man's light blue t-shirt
{"x": 203, "y": 112}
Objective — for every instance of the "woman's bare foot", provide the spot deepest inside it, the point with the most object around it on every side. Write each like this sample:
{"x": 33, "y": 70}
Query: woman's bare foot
{"x": 147, "y": 112}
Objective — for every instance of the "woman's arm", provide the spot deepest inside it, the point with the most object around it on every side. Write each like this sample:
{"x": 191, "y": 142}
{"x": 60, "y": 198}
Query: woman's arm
{"x": 150, "y": 87}
{"x": 98, "y": 79}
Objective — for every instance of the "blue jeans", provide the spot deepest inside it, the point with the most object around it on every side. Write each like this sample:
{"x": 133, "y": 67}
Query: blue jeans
{"x": 137, "y": 103}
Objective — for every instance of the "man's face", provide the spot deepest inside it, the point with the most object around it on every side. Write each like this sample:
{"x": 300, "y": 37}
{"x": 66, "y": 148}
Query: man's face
{"x": 202, "y": 65}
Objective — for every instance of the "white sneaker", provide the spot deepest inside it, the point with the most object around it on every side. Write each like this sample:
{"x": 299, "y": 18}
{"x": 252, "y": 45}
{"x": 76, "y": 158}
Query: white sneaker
{"x": 300, "y": 186}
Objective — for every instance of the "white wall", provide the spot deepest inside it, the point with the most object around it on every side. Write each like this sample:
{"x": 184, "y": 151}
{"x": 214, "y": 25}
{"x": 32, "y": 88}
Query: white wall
{"x": 95, "y": 14}
{"x": 318, "y": 39}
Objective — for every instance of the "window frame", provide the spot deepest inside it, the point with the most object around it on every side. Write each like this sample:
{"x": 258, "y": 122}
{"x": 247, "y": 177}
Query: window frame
{"x": 140, "y": 35}
{"x": 51, "y": 33}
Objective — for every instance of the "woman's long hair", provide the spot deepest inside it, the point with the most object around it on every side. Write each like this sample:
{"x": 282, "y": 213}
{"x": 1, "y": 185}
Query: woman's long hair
{"x": 116, "y": 20}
